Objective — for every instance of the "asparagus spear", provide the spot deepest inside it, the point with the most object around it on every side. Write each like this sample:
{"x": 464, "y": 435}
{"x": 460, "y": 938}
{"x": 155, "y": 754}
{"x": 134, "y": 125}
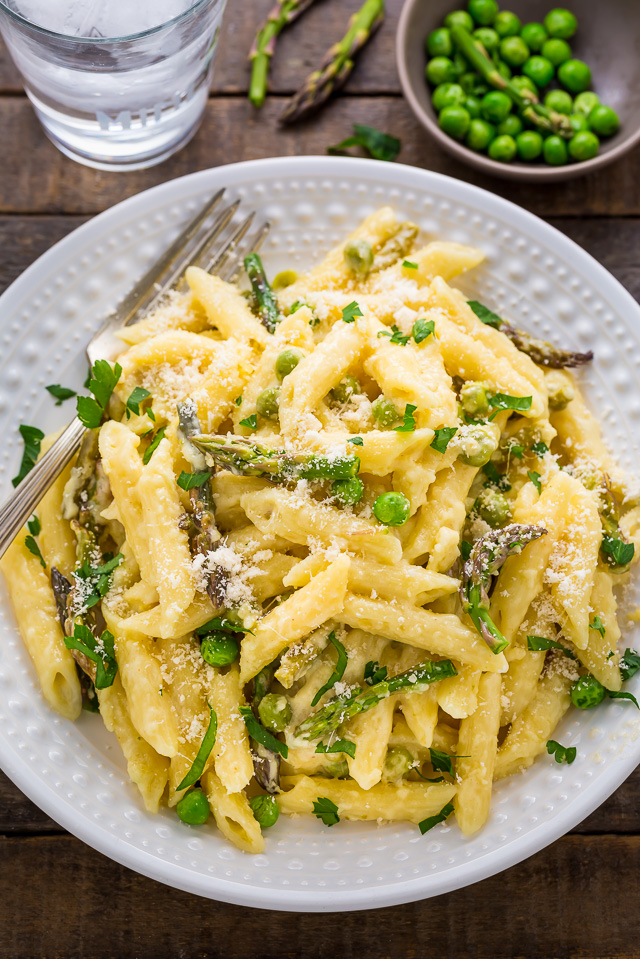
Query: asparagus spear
{"x": 282, "y": 14}
{"x": 396, "y": 247}
{"x": 243, "y": 457}
{"x": 525, "y": 100}
{"x": 337, "y": 64}
{"x": 542, "y": 352}
{"x": 265, "y": 304}
{"x": 617, "y": 551}
{"x": 341, "y": 708}
{"x": 484, "y": 562}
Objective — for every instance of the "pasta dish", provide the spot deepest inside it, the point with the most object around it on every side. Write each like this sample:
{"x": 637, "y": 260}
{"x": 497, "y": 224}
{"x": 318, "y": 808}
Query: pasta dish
{"x": 343, "y": 545}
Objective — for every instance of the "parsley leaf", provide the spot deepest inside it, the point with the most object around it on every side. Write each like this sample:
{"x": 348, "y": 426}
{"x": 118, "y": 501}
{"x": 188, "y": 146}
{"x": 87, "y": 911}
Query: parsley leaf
{"x": 502, "y": 401}
{"x": 620, "y": 552}
{"x": 421, "y": 329}
{"x": 408, "y": 265}
{"x": 441, "y": 762}
{"x": 614, "y": 695}
{"x": 535, "y": 479}
{"x": 374, "y": 673}
{"x": 101, "y": 383}
{"x": 409, "y": 423}
{"x": 599, "y": 625}
{"x": 485, "y": 314}
{"x": 33, "y": 547}
{"x": 326, "y": 810}
{"x": 340, "y": 746}
{"x": 338, "y": 672}
{"x": 442, "y": 438}
{"x": 539, "y": 643}
{"x": 539, "y": 448}
{"x": 356, "y": 440}
{"x": 397, "y": 336}
{"x": 99, "y": 578}
{"x": 32, "y": 437}
{"x": 562, "y": 754}
{"x": 138, "y": 395}
{"x": 351, "y": 311}
{"x": 494, "y": 478}
{"x": 262, "y": 735}
{"x": 294, "y": 309}
{"x": 187, "y": 481}
{"x": 629, "y": 664}
{"x": 60, "y": 393}
{"x": 238, "y": 400}
{"x": 515, "y": 450}
{"x": 379, "y": 145}
{"x": 101, "y": 652}
{"x": 153, "y": 445}
{"x": 207, "y": 744}
{"x": 34, "y": 526}
{"x": 432, "y": 821}
{"x": 89, "y": 412}
{"x": 465, "y": 549}
{"x": 251, "y": 422}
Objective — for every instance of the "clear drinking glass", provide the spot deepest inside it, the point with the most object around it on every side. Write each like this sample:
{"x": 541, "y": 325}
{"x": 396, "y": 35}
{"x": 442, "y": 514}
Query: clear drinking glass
{"x": 116, "y": 84}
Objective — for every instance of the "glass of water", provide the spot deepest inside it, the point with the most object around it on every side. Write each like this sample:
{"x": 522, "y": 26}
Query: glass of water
{"x": 116, "y": 84}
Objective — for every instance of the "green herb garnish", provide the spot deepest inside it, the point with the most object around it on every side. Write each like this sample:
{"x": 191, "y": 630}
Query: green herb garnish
{"x": 338, "y": 672}
{"x": 561, "y": 754}
{"x": 432, "y": 821}
{"x": 350, "y": 312}
{"x": 409, "y": 423}
{"x": 262, "y": 735}
{"x": 379, "y": 145}
{"x": 60, "y": 393}
{"x": 326, "y": 810}
{"x": 187, "y": 481}
{"x": 339, "y": 746}
{"x": 442, "y": 438}
{"x": 207, "y": 744}
{"x": 32, "y": 438}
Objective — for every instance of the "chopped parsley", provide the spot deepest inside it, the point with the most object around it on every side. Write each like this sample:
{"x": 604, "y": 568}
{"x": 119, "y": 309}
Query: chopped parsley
{"x": 207, "y": 744}
{"x": 379, "y": 145}
{"x": 339, "y": 746}
{"x": 33, "y": 548}
{"x": 620, "y": 552}
{"x": 485, "y": 314}
{"x": 441, "y": 762}
{"x": 356, "y": 440}
{"x": 539, "y": 448}
{"x": 60, "y": 393}
{"x": 34, "y": 525}
{"x": 539, "y": 643}
{"x": 613, "y": 695}
{"x": 153, "y": 445}
{"x": 101, "y": 652}
{"x": 251, "y": 422}
{"x": 396, "y": 335}
{"x": 408, "y": 265}
{"x": 503, "y": 401}
{"x": 629, "y": 664}
{"x": 432, "y": 821}
{"x": 421, "y": 329}
{"x": 409, "y": 423}
{"x": 535, "y": 479}
{"x": 598, "y": 624}
{"x": 561, "y": 754}
{"x": 374, "y": 673}
{"x": 494, "y": 478}
{"x": 187, "y": 481}
{"x": 32, "y": 438}
{"x": 101, "y": 383}
{"x": 338, "y": 672}
{"x": 326, "y": 810}
{"x": 442, "y": 438}
{"x": 238, "y": 400}
{"x": 515, "y": 450}
{"x": 351, "y": 311}
{"x": 138, "y": 396}
{"x": 465, "y": 549}
{"x": 262, "y": 735}
{"x": 98, "y": 580}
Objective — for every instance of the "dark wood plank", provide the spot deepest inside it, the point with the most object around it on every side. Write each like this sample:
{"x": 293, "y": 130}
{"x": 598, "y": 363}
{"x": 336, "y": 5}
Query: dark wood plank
{"x": 38, "y": 179}
{"x": 577, "y": 898}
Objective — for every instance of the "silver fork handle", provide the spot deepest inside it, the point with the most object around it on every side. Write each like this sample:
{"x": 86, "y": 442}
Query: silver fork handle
{"x": 22, "y": 504}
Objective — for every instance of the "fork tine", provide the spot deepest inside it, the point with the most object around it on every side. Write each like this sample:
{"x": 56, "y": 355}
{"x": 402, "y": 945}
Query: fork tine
{"x": 220, "y": 257}
{"x": 203, "y": 250}
{"x": 230, "y": 269}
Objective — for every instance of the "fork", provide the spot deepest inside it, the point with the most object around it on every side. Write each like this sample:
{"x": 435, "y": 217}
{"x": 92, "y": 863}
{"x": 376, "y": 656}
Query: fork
{"x": 213, "y": 248}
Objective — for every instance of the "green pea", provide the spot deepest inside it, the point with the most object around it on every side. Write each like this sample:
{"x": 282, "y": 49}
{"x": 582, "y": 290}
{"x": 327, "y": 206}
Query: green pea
{"x": 524, "y": 83}
{"x": 219, "y": 649}
{"x": 560, "y": 395}
{"x": 493, "y": 507}
{"x": 336, "y": 770}
{"x": 560, "y": 23}
{"x": 575, "y": 75}
{"x": 557, "y": 51}
{"x": 534, "y": 35}
{"x": 347, "y": 387}
{"x": 487, "y": 37}
{"x": 454, "y": 121}
{"x": 384, "y": 412}
{"x": 503, "y": 149}
{"x": 539, "y": 69}
{"x": 514, "y": 51}
{"x": 441, "y": 70}
{"x": 559, "y": 100}
{"x": 274, "y": 711}
{"x": 348, "y": 491}
{"x": 503, "y": 69}
{"x": 555, "y": 151}
{"x": 529, "y": 145}
{"x": 287, "y": 361}
{"x": 584, "y": 145}
{"x": 398, "y": 762}
{"x": 265, "y": 810}
{"x": 459, "y": 18}
{"x": 267, "y": 403}
{"x": 604, "y": 121}
{"x": 284, "y": 279}
{"x": 480, "y": 135}
{"x": 470, "y": 82}
{"x": 193, "y": 808}
{"x": 579, "y": 122}
{"x": 587, "y": 692}
{"x": 510, "y": 126}
{"x": 483, "y": 11}
{"x": 496, "y": 106}
{"x": 460, "y": 63}
{"x": 585, "y": 102}
{"x": 478, "y": 446}
{"x": 439, "y": 43}
{"x": 358, "y": 256}
{"x": 474, "y": 399}
{"x": 472, "y": 106}
{"x": 392, "y": 509}
{"x": 447, "y": 95}
{"x": 507, "y": 24}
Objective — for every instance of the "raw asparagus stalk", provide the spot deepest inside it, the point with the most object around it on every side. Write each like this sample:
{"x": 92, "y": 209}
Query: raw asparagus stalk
{"x": 282, "y": 14}
{"x": 359, "y": 700}
{"x": 525, "y": 100}
{"x": 264, "y": 299}
{"x": 484, "y": 562}
{"x": 337, "y": 64}
{"x": 241, "y": 456}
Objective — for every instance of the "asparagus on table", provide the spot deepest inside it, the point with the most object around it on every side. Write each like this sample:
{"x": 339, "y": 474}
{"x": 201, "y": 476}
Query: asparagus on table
{"x": 337, "y": 64}
{"x": 525, "y": 100}
{"x": 265, "y": 304}
{"x": 243, "y": 457}
{"x": 484, "y": 562}
{"x": 281, "y": 15}
{"x": 341, "y": 708}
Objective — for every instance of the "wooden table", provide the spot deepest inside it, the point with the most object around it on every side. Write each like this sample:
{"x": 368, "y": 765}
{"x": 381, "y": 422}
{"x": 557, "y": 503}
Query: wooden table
{"x": 59, "y": 898}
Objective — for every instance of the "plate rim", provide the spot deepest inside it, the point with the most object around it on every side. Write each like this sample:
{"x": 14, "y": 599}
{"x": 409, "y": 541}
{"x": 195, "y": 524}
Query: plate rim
{"x": 220, "y": 889}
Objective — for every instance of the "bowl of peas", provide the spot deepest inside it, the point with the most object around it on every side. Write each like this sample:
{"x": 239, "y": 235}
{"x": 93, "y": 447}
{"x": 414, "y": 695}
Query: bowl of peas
{"x": 530, "y": 91}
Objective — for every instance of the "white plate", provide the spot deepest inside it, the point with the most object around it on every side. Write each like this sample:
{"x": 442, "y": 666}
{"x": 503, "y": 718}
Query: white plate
{"x": 75, "y": 772}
